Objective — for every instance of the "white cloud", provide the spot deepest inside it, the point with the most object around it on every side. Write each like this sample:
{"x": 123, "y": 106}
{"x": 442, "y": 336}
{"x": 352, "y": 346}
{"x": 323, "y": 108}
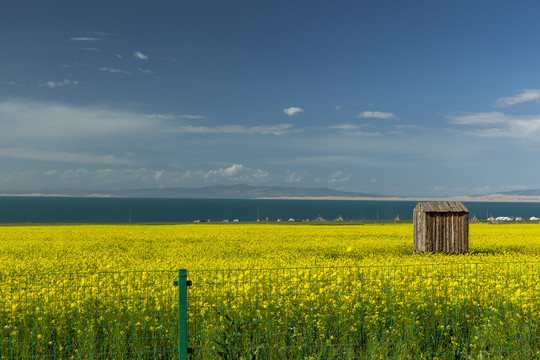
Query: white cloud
{"x": 416, "y": 127}
{"x": 40, "y": 132}
{"x": 110, "y": 178}
{"x": 292, "y": 177}
{"x": 90, "y": 49}
{"x": 27, "y": 122}
{"x": 292, "y": 111}
{"x": 113, "y": 70}
{"x": 339, "y": 177}
{"x": 159, "y": 174}
{"x": 173, "y": 116}
{"x": 237, "y": 172}
{"x": 146, "y": 71}
{"x": 13, "y": 83}
{"x": 497, "y": 124}
{"x": 524, "y": 96}
{"x": 55, "y": 84}
{"x": 280, "y": 129}
{"x": 84, "y": 39}
{"x": 340, "y": 160}
{"x": 347, "y": 126}
{"x": 37, "y": 122}
{"x": 353, "y": 130}
{"x": 60, "y": 156}
{"x": 480, "y": 118}
{"x": 377, "y": 115}
{"x": 140, "y": 55}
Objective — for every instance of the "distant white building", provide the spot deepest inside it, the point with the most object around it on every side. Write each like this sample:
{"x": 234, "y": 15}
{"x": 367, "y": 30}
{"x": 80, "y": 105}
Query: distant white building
{"x": 506, "y": 218}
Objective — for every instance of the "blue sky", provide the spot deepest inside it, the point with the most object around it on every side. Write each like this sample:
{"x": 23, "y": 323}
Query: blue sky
{"x": 423, "y": 98}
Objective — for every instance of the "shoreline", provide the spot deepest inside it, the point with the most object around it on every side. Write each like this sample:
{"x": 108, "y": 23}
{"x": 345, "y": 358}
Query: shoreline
{"x": 483, "y": 198}
{"x": 60, "y": 195}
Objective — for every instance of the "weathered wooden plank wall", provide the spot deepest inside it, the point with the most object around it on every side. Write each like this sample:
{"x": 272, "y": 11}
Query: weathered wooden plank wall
{"x": 439, "y": 231}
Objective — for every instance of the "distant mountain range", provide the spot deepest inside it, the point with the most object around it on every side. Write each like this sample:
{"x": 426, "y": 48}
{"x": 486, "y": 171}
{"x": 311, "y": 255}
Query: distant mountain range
{"x": 241, "y": 191}
{"x": 238, "y": 191}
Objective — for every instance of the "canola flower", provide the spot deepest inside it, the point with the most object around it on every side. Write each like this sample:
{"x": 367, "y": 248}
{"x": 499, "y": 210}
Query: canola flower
{"x": 305, "y": 291}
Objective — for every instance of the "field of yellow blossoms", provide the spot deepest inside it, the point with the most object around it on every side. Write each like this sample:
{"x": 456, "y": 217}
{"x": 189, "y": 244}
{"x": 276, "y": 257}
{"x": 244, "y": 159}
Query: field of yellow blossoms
{"x": 267, "y": 291}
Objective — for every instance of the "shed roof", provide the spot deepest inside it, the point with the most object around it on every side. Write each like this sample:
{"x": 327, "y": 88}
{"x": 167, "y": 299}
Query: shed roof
{"x": 441, "y": 206}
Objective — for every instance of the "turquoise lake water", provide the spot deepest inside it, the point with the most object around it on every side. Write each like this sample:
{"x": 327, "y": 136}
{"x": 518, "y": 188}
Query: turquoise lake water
{"x": 122, "y": 210}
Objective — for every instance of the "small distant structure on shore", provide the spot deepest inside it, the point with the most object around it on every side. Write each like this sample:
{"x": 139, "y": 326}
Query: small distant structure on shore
{"x": 441, "y": 226}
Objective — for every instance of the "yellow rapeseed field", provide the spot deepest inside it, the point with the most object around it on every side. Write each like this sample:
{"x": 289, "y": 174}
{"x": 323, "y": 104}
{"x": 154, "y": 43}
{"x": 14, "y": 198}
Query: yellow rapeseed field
{"x": 83, "y": 248}
{"x": 301, "y": 292}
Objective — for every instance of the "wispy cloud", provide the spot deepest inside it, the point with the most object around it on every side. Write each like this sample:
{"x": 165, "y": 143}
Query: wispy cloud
{"x": 56, "y": 84}
{"x": 292, "y": 110}
{"x": 173, "y": 116}
{"x": 339, "y": 177}
{"x": 90, "y": 49}
{"x": 146, "y": 71}
{"x": 280, "y": 129}
{"x": 235, "y": 173}
{"x": 346, "y": 126}
{"x": 140, "y": 55}
{"x": 292, "y": 177}
{"x": 109, "y": 177}
{"x": 353, "y": 129}
{"x": 497, "y": 124}
{"x": 522, "y": 97}
{"x": 22, "y": 121}
{"x": 340, "y": 160}
{"x": 60, "y": 156}
{"x": 376, "y": 115}
{"x": 113, "y": 70}
{"x": 84, "y": 38}
{"x": 13, "y": 83}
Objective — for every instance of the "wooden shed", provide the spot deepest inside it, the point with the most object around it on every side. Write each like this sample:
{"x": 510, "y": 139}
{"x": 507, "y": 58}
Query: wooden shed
{"x": 441, "y": 227}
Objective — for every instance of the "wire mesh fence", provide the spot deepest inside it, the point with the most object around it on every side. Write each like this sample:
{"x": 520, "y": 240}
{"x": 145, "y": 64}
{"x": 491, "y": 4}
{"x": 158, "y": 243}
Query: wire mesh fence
{"x": 447, "y": 311}
{"x": 450, "y": 311}
{"x": 113, "y": 315}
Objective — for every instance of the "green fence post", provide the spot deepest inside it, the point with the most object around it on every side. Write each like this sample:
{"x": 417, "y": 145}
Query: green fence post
{"x": 182, "y": 314}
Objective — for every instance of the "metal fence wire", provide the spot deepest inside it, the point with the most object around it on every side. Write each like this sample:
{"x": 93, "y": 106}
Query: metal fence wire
{"x": 447, "y": 311}
{"x": 451, "y": 311}
{"x": 111, "y": 315}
